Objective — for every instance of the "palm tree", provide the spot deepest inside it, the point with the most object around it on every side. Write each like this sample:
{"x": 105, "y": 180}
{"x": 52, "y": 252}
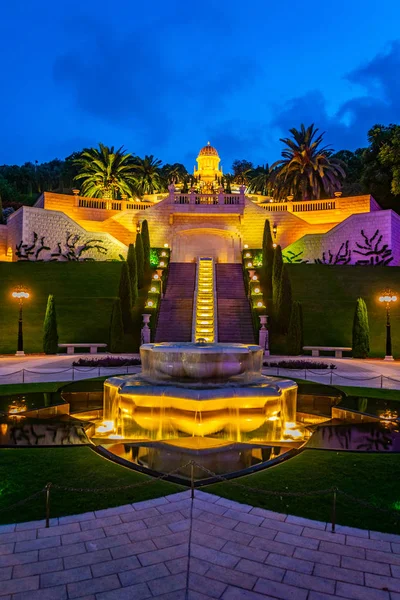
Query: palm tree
{"x": 306, "y": 169}
{"x": 148, "y": 175}
{"x": 105, "y": 172}
{"x": 260, "y": 181}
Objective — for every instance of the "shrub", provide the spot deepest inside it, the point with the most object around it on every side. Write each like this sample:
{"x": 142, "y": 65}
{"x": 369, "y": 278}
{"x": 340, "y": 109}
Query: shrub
{"x": 267, "y": 259}
{"x": 276, "y": 274}
{"x": 284, "y": 301}
{"x": 125, "y": 296}
{"x": 107, "y": 362}
{"x": 139, "y": 260}
{"x": 299, "y": 364}
{"x": 132, "y": 268}
{"x": 50, "y": 333}
{"x": 360, "y": 330}
{"x": 146, "y": 250}
{"x": 116, "y": 337}
{"x": 295, "y": 332}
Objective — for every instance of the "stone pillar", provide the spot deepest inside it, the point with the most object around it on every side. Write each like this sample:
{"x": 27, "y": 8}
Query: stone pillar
{"x": 263, "y": 339}
{"x": 171, "y": 190}
{"x": 221, "y": 196}
{"x": 242, "y": 190}
{"x": 192, "y": 197}
{"x": 146, "y": 329}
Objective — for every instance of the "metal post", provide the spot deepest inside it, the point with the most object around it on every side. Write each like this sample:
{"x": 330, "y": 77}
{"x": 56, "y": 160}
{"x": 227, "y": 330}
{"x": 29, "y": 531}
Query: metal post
{"x": 47, "y": 488}
{"x": 23, "y": 375}
{"x": 73, "y": 373}
{"x": 192, "y": 479}
{"x": 334, "y": 510}
{"x": 331, "y": 377}
{"x": 388, "y": 332}
{"x": 381, "y": 381}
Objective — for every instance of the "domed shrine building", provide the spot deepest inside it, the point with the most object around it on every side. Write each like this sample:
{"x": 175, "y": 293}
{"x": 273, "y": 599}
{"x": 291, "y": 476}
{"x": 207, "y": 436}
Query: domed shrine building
{"x": 205, "y": 220}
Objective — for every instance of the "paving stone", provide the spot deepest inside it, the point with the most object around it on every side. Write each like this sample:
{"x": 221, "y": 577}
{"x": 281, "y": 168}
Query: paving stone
{"x": 134, "y": 592}
{"x": 386, "y": 537}
{"x": 50, "y": 542}
{"x": 58, "y": 592}
{"x": 358, "y": 542}
{"x": 132, "y": 549}
{"x": 192, "y": 595}
{"x": 58, "y": 530}
{"x": 88, "y": 516}
{"x": 276, "y": 525}
{"x": 5, "y": 573}
{"x": 310, "y": 582}
{"x": 7, "y": 548}
{"x": 205, "y": 496}
{"x": 327, "y": 536}
{"x": 61, "y": 551}
{"x": 339, "y": 574}
{"x": 171, "y": 539}
{"x": 231, "y": 535}
{"x": 9, "y": 560}
{"x": 254, "y": 530}
{"x": 25, "y": 584}
{"x": 367, "y": 566}
{"x": 157, "y": 556}
{"x": 209, "y": 541}
{"x": 232, "y": 593}
{"x": 107, "y": 542}
{"x": 149, "y": 503}
{"x": 342, "y": 550}
{"x": 202, "y": 584}
{"x": 34, "y": 524}
{"x": 254, "y": 554}
{"x": 214, "y": 556}
{"x": 177, "y": 565}
{"x": 260, "y": 570}
{"x": 124, "y": 528}
{"x": 88, "y": 558}
{"x": 272, "y": 546}
{"x": 180, "y": 526}
{"x": 150, "y": 533}
{"x": 168, "y": 584}
{"x": 67, "y": 576}
{"x": 381, "y": 557}
{"x": 174, "y": 506}
{"x": 8, "y": 528}
{"x": 82, "y": 536}
{"x": 382, "y": 583}
{"x": 104, "y": 522}
{"x": 297, "y": 540}
{"x": 306, "y": 522}
{"x": 216, "y": 508}
{"x": 226, "y": 503}
{"x": 37, "y": 568}
{"x": 237, "y": 515}
{"x": 115, "y": 566}
{"x": 116, "y": 510}
{"x": 316, "y": 556}
{"x": 288, "y": 562}
{"x": 232, "y": 577}
{"x": 178, "y": 595}
{"x": 358, "y": 592}
{"x": 221, "y": 521}
{"x": 17, "y": 536}
{"x": 280, "y": 590}
{"x": 94, "y": 586}
{"x": 164, "y": 519}
{"x": 139, "y": 515}
{"x": 190, "y": 513}
{"x": 143, "y": 574}
{"x": 364, "y": 533}
{"x": 320, "y": 596}
{"x": 178, "y": 496}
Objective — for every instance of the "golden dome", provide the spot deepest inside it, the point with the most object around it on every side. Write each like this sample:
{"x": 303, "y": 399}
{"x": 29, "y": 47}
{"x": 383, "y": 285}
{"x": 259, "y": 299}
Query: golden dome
{"x": 208, "y": 151}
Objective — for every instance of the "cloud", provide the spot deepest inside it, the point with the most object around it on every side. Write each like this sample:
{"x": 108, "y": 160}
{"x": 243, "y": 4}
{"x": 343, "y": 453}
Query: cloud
{"x": 348, "y": 127}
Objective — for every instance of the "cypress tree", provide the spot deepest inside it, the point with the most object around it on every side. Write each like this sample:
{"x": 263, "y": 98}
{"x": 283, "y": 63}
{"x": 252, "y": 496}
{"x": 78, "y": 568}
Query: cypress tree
{"x": 276, "y": 274}
{"x": 146, "y": 250}
{"x": 139, "y": 260}
{"x": 50, "y": 334}
{"x": 295, "y": 331}
{"x": 284, "y": 302}
{"x": 132, "y": 267}
{"x": 360, "y": 330}
{"x": 267, "y": 258}
{"x": 1, "y": 211}
{"x": 125, "y": 296}
{"x": 116, "y": 337}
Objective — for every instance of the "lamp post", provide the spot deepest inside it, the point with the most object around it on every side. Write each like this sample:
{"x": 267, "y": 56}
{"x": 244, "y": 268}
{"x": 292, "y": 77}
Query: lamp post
{"x": 388, "y": 298}
{"x": 21, "y": 294}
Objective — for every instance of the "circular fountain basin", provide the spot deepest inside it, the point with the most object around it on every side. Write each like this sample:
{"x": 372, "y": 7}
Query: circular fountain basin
{"x": 200, "y": 361}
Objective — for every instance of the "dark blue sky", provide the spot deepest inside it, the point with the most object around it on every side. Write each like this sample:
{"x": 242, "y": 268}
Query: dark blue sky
{"x": 163, "y": 78}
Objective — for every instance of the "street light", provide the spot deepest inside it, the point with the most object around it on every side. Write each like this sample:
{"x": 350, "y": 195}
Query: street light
{"x": 21, "y": 294}
{"x": 388, "y": 297}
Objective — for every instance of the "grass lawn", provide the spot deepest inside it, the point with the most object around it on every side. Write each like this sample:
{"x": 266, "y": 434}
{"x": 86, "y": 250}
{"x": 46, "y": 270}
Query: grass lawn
{"x": 23, "y": 471}
{"x": 328, "y": 295}
{"x": 374, "y": 478}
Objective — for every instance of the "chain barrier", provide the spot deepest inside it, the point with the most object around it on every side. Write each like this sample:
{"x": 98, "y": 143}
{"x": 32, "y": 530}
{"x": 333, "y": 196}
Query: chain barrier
{"x": 334, "y": 491}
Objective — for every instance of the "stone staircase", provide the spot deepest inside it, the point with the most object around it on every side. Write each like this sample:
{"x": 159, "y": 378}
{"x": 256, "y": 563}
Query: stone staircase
{"x": 175, "y": 316}
{"x": 234, "y": 316}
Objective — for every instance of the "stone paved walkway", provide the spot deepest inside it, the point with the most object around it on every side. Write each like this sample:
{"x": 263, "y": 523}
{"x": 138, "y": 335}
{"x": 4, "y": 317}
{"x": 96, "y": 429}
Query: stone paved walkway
{"x": 237, "y": 552}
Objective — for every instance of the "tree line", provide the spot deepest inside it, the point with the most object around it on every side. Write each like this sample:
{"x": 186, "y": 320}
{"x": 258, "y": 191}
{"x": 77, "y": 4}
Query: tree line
{"x": 308, "y": 169}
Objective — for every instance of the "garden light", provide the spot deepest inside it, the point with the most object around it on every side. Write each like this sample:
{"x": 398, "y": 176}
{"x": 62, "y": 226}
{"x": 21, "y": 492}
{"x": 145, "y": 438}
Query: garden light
{"x": 163, "y": 253}
{"x": 248, "y": 255}
{"x": 249, "y": 264}
{"x": 246, "y": 246}
{"x": 259, "y": 304}
{"x": 257, "y": 290}
{"x": 155, "y": 276}
{"x": 274, "y": 245}
{"x": 153, "y": 289}
{"x": 20, "y": 294}
{"x": 388, "y": 298}
{"x": 150, "y": 303}
{"x": 165, "y": 245}
{"x": 162, "y": 264}
{"x": 255, "y": 278}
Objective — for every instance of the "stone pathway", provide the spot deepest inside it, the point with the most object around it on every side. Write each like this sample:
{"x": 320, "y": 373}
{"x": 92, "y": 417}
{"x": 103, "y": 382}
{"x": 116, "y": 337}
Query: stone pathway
{"x": 236, "y": 552}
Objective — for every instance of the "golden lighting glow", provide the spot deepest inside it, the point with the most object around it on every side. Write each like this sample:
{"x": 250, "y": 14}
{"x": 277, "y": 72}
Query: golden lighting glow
{"x": 246, "y": 246}
{"x": 274, "y": 245}
{"x": 163, "y": 253}
{"x": 257, "y": 290}
{"x": 162, "y": 264}
{"x": 165, "y": 245}
{"x": 259, "y": 304}
{"x": 105, "y": 427}
{"x": 255, "y": 278}
{"x": 156, "y": 276}
{"x": 153, "y": 289}
{"x": 150, "y": 303}
{"x": 20, "y": 293}
{"x": 249, "y": 264}
{"x": 204, "y": 317}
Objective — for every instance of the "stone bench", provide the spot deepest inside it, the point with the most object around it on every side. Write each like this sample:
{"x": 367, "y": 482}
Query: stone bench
{"x": 71, "y": 347}
{"x": 338, "y": 350}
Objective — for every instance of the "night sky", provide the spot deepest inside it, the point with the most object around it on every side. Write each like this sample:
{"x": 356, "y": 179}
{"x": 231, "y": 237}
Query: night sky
{"x": 163, "y": 78}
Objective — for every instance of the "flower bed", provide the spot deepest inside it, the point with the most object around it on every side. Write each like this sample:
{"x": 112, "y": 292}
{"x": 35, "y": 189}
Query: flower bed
{"x": 299, "y": 364}
{"x": 107, "y": 362}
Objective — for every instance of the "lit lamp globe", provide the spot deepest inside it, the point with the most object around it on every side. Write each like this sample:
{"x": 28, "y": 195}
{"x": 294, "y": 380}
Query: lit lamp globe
{"x": 388, "y": 298}
{"x": 20, "y": 294}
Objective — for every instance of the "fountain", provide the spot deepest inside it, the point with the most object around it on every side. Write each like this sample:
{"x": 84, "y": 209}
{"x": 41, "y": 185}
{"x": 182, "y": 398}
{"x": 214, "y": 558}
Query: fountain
{"x": 194, "y": 392}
